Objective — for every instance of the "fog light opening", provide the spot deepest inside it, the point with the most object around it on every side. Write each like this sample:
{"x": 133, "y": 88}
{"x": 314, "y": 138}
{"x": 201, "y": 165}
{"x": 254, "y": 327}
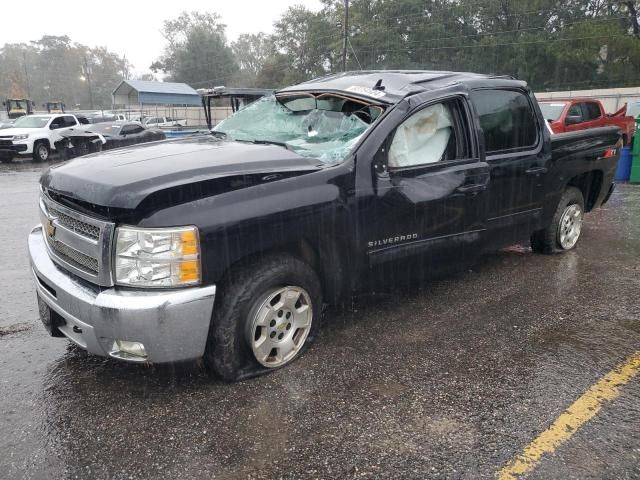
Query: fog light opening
{"x": 125, "y": 349}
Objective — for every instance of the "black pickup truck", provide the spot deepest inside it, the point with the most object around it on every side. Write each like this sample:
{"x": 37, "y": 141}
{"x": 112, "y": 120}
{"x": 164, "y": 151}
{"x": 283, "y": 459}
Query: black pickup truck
{"x": 227, "y": 245}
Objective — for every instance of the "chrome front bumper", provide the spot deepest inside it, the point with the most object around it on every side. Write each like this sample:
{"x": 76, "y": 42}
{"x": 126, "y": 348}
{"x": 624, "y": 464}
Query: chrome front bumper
{"x": 173, "y": 325}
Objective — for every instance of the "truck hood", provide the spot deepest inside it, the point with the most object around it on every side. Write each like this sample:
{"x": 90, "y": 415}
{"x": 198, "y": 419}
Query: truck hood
{"x": 123, "y": 178}
{"x": 10, "y": 132}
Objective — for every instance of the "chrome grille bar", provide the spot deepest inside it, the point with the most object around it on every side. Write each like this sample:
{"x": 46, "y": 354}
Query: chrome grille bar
{"x": 77, "y": 242}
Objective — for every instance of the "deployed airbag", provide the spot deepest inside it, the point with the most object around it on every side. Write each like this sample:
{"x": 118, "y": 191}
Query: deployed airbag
{"x": 422, "y": 138}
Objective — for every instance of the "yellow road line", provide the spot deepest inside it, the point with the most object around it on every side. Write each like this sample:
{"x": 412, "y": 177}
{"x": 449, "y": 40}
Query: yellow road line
{"x": 579, "y": 413}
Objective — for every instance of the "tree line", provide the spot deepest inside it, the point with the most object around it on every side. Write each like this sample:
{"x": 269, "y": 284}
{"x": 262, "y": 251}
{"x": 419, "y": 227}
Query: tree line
{"x": 553, "y": 44}
{"x": 56, "y": 69}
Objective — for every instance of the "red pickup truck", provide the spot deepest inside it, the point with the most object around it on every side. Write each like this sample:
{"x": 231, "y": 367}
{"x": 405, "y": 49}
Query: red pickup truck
{"x": 581, "y": 114}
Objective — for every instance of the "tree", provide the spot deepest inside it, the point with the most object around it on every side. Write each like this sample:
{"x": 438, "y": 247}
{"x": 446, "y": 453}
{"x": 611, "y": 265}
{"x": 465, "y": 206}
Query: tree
{"x": 52, "y": 69}
{"x": 197, "y": 52}
{"x": 306, "y": 42}
{"x": 251, "y": 51}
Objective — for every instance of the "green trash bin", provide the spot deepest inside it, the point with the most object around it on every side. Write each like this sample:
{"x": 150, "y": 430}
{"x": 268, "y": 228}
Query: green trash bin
{"x": 635, "y": 155}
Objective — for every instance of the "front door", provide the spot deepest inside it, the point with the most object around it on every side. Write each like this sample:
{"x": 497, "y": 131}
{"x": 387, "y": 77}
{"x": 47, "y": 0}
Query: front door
{"x": 430, "y": 192}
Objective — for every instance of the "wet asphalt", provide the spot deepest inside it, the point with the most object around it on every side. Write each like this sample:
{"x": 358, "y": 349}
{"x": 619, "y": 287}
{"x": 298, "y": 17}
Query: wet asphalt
{"x": 449, "y": 379}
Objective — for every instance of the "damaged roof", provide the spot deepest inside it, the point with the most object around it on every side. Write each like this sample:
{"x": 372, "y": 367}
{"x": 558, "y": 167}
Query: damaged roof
{"x": 386, "y": 86}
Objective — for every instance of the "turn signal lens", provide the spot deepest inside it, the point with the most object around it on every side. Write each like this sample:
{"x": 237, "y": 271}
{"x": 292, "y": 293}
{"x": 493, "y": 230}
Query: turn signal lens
{"x": 189, "y": 271}
{"x": 189, "y": 242}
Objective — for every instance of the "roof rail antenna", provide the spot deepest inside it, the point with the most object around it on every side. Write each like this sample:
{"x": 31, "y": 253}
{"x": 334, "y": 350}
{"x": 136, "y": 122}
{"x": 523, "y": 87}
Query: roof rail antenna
{"x": 379, "y": 86}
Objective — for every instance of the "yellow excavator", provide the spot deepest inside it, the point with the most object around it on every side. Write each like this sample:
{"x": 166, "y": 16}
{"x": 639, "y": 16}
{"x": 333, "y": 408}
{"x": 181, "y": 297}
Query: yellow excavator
{"x": 55, "y": 107}
{"x": 18, "y": 107}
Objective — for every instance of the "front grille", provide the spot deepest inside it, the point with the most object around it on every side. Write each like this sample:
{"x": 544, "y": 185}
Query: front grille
{"x": 75, "y": 258}
{"x": 77, "y": 242}
{"x": 6, "y": 143}
{"x": 75, "y": 225}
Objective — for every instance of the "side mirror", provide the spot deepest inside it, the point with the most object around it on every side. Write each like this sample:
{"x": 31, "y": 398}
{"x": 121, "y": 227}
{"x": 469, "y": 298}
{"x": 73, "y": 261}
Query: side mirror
{"x": 54, "y": 126}
{"x": 573, "y": 119}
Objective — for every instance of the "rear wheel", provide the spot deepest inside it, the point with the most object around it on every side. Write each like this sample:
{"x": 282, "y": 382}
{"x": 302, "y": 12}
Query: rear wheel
{"x": 41, "y": 152}
{"x": 267, "y": 316}
{"x": 566, "y": 226}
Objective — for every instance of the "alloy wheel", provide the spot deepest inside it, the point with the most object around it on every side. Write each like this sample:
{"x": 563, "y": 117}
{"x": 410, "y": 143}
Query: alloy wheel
{"x": 570, "y": 226}
{"x": 280, "y": 326}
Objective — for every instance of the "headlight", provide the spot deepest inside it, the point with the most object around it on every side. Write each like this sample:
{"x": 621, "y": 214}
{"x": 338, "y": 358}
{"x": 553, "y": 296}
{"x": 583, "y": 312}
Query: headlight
{"x": 157, "y": 257}
{"x": 24, "y": 136}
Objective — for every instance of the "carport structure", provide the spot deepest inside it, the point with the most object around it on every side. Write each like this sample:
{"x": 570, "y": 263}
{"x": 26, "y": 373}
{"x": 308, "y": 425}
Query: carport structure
{"x": 159, "y": 99}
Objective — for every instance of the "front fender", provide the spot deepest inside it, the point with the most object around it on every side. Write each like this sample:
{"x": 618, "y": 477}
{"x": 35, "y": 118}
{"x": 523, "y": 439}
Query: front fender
{"x": 252, "y": 221}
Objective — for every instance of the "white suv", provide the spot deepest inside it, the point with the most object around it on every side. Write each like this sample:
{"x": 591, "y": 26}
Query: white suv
{"x": 34, "y": 135}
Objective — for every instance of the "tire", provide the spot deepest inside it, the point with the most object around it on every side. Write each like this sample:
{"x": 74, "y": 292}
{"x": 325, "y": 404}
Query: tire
{"x": 564, "y": 231}
{"x": 41, "y": 151}
{"x": 249, "y": 296}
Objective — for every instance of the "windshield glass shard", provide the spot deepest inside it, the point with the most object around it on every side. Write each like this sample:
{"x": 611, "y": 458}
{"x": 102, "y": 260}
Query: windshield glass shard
{"x": 326, "y": 128}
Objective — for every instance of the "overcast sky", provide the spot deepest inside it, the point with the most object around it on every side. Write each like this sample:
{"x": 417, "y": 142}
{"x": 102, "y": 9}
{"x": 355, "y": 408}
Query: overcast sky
{"x": 131, "y": 27}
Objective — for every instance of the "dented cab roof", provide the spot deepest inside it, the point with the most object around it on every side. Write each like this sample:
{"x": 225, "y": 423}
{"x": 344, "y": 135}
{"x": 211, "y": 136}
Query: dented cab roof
{"x": 389, "y": 86}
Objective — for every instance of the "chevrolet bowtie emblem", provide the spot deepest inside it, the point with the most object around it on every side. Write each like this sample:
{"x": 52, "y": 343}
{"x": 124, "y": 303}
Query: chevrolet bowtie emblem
{"x": 51, "y": 228}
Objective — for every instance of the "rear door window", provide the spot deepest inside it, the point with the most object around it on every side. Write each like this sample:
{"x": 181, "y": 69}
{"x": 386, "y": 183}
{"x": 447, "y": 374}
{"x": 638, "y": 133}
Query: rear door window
{"x": 507, "y": 120}
{"x": 592, "y": 111}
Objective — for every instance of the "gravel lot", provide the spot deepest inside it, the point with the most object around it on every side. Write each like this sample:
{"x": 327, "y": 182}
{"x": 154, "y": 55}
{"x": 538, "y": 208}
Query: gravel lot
{"x": 451, "y": 379}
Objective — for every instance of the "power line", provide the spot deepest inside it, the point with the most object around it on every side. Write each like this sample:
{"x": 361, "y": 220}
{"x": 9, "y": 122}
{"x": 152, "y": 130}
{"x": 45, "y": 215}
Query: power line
{"x": 492, "y": 45}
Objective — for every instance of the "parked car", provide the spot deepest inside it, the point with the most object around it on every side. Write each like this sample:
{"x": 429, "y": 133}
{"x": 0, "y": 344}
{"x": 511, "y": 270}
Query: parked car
{"x": 226, "y": 246}
{"x": 581, "y": 114}
{"x": 77, "y": 142}
{"x": 100, "y": 117}
{"x": 164, "y": 122}
{"x": 82, "y": 119}
{"x": 34, "y": 135}
{"x": 120, "y": 134}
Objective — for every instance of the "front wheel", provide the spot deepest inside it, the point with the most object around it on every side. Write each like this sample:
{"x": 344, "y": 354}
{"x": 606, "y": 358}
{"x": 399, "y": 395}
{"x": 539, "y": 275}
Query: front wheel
{"x": 267, "y": 316}
{"x": 41, "y": 152}
{"x": 566, "y": 226}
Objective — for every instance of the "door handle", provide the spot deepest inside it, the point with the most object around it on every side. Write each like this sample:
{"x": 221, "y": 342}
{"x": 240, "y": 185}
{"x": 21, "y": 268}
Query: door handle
{"x": 471, "y": 188}
{"x": 536, "y": 170}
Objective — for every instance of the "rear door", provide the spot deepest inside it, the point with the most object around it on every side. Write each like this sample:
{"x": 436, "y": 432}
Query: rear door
{"x": 431, "y": 187}
{"x": 513, "y": 146}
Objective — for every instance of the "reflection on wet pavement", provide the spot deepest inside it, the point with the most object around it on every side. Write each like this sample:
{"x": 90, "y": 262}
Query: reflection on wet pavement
{"x": 447, "y": 380}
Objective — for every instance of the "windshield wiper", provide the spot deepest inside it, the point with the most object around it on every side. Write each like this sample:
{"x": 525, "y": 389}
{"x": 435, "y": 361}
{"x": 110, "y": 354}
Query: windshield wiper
{"x": 271, "y": 142}
{"x": 259, "y": 141}
{"x": 218, "y": 134}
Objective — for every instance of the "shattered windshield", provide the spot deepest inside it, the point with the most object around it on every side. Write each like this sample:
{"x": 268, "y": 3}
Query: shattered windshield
{"x": 325, "y": 127}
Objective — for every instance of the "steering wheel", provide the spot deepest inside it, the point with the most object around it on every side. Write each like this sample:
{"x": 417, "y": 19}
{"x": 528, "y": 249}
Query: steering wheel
{"x": 363, "y": 114}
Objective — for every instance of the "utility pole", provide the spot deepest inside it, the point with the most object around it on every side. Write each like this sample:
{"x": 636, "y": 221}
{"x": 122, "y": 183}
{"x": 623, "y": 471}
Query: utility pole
{"x": 87, "y": 74}
{"x": 26, "y": 74}
{"x": 345, "y": 39}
